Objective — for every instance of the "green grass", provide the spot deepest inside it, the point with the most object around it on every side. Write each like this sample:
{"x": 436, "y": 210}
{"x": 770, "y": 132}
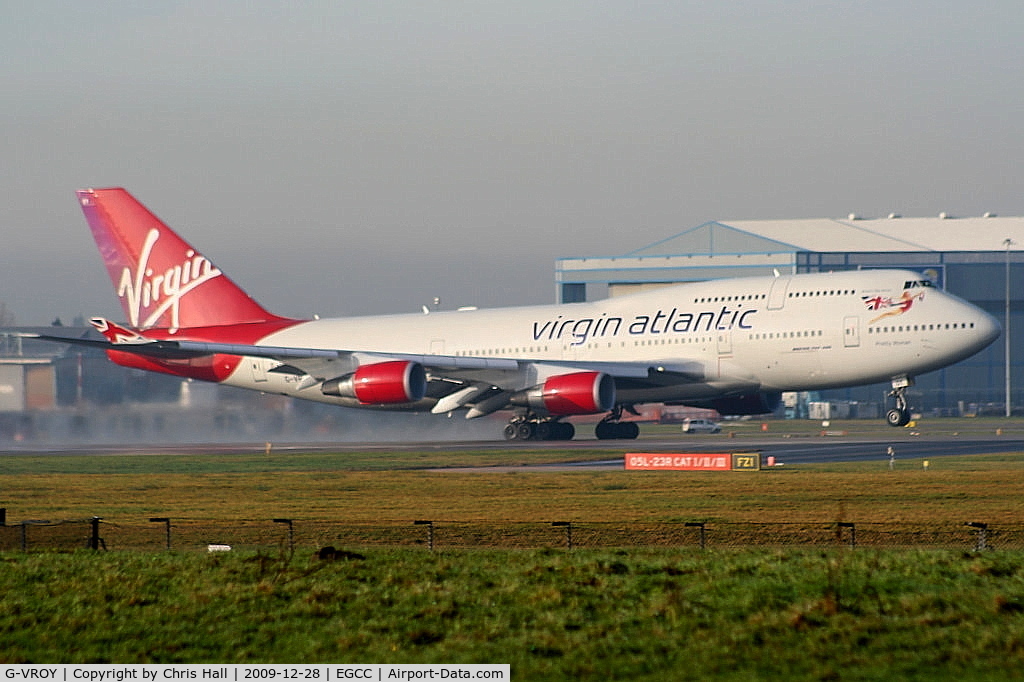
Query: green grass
{"x": 586, "y": 615}
{"x": 637, "y": 614}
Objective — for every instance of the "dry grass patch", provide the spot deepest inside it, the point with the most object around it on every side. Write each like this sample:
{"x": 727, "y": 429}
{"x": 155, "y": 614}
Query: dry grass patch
{"x": 952, "y": 491}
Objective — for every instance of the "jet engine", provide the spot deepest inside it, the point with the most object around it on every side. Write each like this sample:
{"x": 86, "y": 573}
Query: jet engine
{"x": 567, "y": 394}
{"x": 382, "y": 383}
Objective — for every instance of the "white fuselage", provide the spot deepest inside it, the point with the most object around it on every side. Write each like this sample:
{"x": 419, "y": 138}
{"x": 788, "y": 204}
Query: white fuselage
{"x": 789, "y": 333}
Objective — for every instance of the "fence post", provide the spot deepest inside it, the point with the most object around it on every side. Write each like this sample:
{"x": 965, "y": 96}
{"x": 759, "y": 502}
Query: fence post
{"x": 697, "y": 524}
{"x": 853, "y": 532}
{"x": 94, "y": 538}
{"x": 981, "y": 530}
{"x": 568, "y": 531}
{"x": 24, "y": 530}
{"x": 430, "y": 532}
{"x": 165, "y": 520}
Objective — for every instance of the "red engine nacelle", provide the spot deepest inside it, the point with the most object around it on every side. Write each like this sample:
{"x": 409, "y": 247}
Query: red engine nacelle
{"x": 568, "y": 394}
{"x": 382, "y": 383}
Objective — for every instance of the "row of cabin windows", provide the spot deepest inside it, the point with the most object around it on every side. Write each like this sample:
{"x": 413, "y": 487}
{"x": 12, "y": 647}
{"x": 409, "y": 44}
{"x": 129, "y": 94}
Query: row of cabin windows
{"x": 505, "y": 352}
{"x": 758, "y": 297}
{"x": 767, "y": 336}
{"x": 679, "y": 340}
{"x": 836, "y": 292}
{"x": 725, "y": 299}
{"x": 920, "y": 327}
{"x": 668, "y": 341}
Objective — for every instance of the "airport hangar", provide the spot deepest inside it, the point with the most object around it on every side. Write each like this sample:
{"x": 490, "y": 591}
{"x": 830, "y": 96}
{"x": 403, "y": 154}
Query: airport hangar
{"x": 969, "y": 257}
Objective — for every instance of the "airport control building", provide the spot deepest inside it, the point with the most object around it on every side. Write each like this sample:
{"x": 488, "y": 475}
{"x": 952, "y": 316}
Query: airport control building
{"x": 978, "y": 259}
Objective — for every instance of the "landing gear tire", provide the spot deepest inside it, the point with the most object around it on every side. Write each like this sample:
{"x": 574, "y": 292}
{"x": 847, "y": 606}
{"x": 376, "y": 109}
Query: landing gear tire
{"x": 610, "y": 428}
{"x": 616, "y": 430}
{"x": 525, "y": 431}
{"x": 539, "y": 430}
{"x": 897, "y": 417}
{"x": 563, "y": 431}
{"x": 900, "y": 414}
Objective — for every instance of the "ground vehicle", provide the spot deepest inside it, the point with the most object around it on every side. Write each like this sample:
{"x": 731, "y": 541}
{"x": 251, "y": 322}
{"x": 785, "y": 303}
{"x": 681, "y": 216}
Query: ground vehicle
{"x": 700, "y": 426}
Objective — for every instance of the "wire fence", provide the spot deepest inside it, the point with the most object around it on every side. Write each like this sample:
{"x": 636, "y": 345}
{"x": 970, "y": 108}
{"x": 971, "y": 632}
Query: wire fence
{"x": 213, "y": 535}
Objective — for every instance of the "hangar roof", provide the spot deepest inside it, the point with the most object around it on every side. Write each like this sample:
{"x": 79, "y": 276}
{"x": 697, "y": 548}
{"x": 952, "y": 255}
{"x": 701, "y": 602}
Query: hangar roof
{"x": 824, "y": 235}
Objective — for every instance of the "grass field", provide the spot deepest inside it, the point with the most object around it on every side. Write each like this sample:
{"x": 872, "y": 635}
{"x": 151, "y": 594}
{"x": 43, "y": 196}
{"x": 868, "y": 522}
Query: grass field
{"x": 335, "y": 487}
{"x": 639, "y": 613}
{"x": 590, "y": 615}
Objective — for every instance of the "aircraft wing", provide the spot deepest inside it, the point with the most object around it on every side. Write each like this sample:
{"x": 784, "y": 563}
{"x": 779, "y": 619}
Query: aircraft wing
{"x": 298, "y": 357}
{"x": 323, "y": 363}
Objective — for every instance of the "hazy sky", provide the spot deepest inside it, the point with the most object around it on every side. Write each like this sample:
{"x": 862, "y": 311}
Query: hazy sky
{"x": 359, "y": 157}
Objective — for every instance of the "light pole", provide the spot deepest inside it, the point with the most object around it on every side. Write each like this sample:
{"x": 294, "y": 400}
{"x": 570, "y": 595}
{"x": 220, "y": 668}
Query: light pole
{"x": 1006, "y": 326}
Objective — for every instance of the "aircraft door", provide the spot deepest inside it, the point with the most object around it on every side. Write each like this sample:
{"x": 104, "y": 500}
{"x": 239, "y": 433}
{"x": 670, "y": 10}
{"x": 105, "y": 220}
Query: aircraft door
{"x": 259, "y": 369}
{"x": 725, "y": 343}
{"x": 851, "y": 332}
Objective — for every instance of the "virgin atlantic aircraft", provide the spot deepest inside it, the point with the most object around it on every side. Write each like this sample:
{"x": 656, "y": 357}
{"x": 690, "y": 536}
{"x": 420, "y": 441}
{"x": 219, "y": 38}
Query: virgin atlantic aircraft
{"x": 733, "y": 345}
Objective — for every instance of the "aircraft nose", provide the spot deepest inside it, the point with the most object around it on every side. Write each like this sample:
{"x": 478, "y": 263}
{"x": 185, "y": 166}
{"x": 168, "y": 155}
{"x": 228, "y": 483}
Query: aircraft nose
{"x": 986, "y": 328}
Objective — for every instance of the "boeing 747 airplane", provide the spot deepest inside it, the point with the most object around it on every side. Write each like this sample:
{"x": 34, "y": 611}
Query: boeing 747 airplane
{"x": 733, "y": 345}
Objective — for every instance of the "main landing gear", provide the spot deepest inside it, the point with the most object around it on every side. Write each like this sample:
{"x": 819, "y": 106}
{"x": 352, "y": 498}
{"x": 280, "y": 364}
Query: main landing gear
{"x": 900, "y": 414}
{"x": 533, "y": 428}
{"x": 610, "y": 428}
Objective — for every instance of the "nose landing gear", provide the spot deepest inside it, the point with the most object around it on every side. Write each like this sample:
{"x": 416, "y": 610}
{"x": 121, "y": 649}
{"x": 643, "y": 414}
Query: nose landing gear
{"x": 899, "y": 415}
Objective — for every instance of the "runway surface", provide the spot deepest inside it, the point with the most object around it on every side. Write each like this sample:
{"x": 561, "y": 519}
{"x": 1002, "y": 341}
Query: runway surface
{"x": 788, "y": 451}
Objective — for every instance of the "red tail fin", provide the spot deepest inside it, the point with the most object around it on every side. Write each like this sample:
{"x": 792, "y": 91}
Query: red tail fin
{"x": 160, "y": 279}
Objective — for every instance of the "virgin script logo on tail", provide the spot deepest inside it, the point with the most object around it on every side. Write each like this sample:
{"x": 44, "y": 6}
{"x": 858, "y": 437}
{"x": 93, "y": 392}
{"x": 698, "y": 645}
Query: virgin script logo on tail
{"x": 165, "y": 289}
